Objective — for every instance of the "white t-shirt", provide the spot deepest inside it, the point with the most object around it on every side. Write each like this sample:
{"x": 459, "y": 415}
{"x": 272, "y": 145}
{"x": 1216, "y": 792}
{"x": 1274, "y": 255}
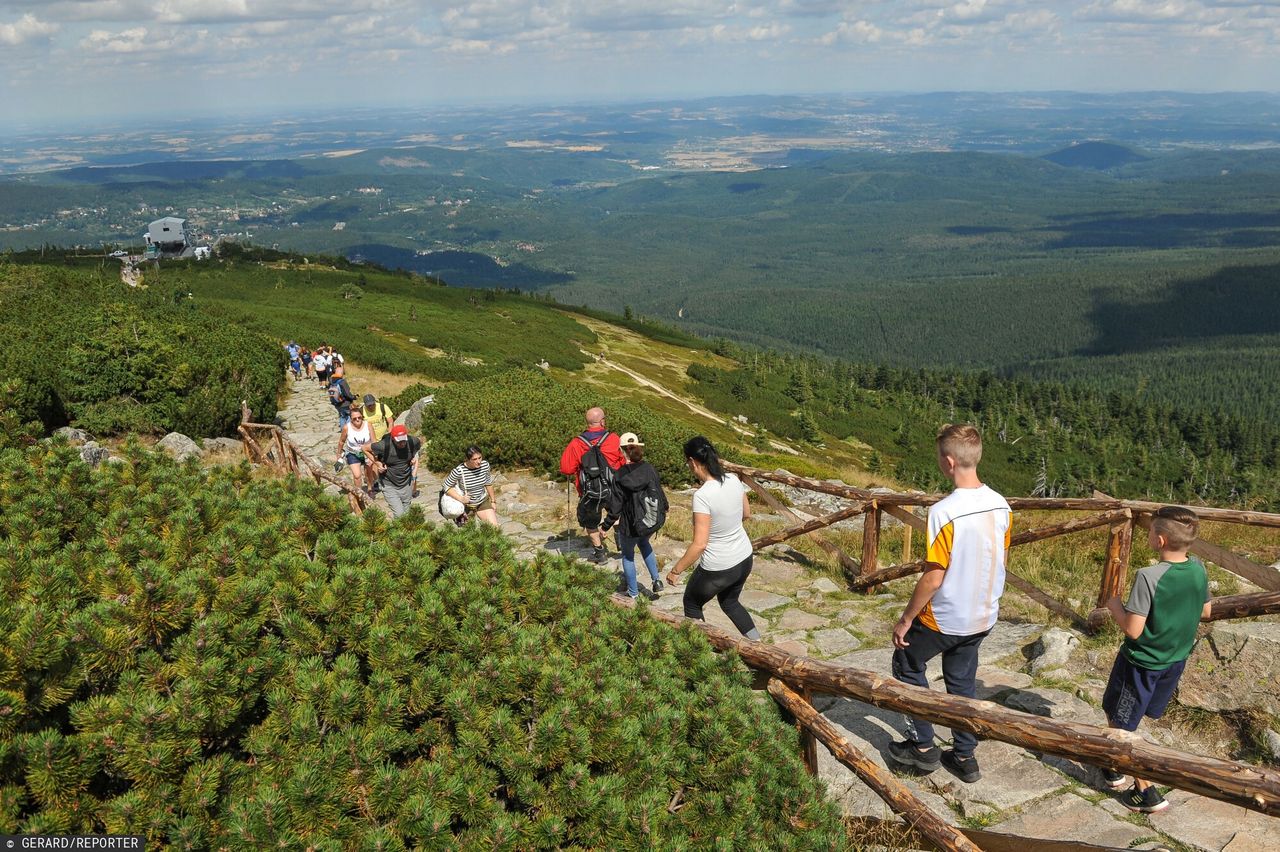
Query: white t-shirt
{"x": 969, "y": 535}
{"x": 729, "y": 543}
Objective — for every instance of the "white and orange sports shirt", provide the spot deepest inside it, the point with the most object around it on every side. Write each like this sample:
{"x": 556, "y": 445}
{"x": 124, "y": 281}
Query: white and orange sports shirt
{"x": 969, "y": 537}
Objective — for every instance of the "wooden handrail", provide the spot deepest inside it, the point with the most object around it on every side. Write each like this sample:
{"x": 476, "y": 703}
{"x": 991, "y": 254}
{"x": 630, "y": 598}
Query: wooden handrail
{"x": 896, "y": 795}
{"x": 896, "y": 498}
{"x": 1253, "y": 787}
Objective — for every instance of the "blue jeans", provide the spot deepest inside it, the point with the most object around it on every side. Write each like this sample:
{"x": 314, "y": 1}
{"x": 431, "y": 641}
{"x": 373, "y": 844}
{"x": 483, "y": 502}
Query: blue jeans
{"x": 628, "y": 548}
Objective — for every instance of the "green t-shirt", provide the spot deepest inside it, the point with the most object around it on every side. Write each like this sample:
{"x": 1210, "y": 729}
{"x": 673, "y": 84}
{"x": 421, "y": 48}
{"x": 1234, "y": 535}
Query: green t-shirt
{"x": 1171, "y": 596}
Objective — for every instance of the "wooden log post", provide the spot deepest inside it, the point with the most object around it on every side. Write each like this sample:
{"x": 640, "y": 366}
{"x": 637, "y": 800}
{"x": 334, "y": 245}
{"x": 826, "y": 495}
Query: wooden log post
{"x": 870, "y": 540}
{"x": 1119, "y": 549}
{"x": 906, "y": 542}
{"x": 884, "y": 575}
{"x": 900, "y": 799}
{"x": 1254, "y": 787}
{"x": 847, "y": 562}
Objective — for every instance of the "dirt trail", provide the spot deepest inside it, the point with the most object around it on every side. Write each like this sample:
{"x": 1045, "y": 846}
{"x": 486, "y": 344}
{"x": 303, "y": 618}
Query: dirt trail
{"x": 687, "y": 403}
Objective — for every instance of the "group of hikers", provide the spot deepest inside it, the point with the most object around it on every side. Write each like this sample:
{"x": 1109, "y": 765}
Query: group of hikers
{"x": 953, "y": 607}
{"x": 956, "y": 600}
{"x": 318, "y": 364}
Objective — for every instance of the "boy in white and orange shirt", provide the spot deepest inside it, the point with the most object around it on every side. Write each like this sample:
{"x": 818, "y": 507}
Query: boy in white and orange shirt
{"x": 956, "y": 600}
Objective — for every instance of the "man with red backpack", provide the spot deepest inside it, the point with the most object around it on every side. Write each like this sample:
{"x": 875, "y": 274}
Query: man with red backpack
{"x": 591, "y": 459}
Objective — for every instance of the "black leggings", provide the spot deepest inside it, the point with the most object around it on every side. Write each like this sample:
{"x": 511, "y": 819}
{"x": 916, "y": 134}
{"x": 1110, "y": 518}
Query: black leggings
{"x": 724, "y": 586}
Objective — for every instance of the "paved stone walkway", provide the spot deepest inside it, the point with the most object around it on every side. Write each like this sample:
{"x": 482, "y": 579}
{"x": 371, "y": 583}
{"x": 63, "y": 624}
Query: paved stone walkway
{"x": 802, "y": 612}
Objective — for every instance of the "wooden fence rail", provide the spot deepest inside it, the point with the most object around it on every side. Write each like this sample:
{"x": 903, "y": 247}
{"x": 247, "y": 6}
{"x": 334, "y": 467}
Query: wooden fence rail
{"x": 1121, "y": 517}
{"x": 1253, "y": 787}
{"x": 285, "y": 457}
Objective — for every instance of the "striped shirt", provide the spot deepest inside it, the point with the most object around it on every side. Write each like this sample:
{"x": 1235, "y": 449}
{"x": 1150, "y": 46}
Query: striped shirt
{"x": 969, "y": 538}
{"x": 473, "y": 482}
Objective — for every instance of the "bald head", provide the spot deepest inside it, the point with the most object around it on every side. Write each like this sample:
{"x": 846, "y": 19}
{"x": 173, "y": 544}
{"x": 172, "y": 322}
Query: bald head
{"x": 595, "y": 418}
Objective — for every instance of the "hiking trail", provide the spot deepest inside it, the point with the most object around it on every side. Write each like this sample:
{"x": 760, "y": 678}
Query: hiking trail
{"x": 804, "y": 612}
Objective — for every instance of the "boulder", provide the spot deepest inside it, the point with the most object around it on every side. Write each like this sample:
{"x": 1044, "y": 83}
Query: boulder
{"x": 1052, "y": 649}
{"x": 179, "y": 446}
{"x": 411, "y": 417}
{"x": 1272, "y": 739}
{"x": 72, "y": 435}
{"x": 93, "y": 455}
{"x": 223, "y": 446}
{"x": 1236, "y": 666}
{"x": 1006, "y": 639}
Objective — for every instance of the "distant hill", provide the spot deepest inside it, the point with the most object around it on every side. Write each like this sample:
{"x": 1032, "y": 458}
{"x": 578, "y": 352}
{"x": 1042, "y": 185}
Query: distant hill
{"x": 1095, "y": 155}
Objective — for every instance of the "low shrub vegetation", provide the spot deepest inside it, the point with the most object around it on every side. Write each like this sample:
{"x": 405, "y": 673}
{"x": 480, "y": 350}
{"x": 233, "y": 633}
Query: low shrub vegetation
{"x": 84, "y": 349}
{"x": 215, "y": 660}
{"x": 524, "y": 418}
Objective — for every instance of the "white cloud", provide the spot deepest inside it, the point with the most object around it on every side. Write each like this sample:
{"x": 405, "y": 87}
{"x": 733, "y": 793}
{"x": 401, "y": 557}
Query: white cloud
{"x": 856, "y": 32}
{"x": 27, "y": 28}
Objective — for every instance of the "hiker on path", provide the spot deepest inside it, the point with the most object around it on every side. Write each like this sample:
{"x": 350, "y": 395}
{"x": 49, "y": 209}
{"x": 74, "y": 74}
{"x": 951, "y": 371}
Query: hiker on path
{"x": 321, "y": 360}
{"x": 638, "y": 506}
{"x": 395, "y": 460}
{"x": 341, "y": 397}
{"x": 378, "y": 416}
{"x": 1160, "y": 621}
{"x": 354, "y": 441}
{"x": 956, "y": 600}
{"x": 295, "y": 359}
{"x": 306, "y": 364}
{"x": 471, "y": 483}
{"x": 721, "y": 547}
{"x": 591, "y": 459}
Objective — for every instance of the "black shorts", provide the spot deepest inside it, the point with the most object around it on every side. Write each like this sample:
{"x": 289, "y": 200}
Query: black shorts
{"x": 1133, "y": 692}
{"x": 589, "y": 513}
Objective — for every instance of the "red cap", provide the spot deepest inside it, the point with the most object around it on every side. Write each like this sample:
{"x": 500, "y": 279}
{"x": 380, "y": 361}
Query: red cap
{"x": 399, "y": 432}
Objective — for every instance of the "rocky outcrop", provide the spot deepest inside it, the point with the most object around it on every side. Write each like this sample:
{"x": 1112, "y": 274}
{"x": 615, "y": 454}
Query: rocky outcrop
{"x": 223, "y": 447}
{"x": 179, "y": 446}
{"x": 412, "y": 416}
{"x": 92, "y": 454}
{"x": 73, "y": 435}
{"x": 1052, "y": 650}
{"x": 1235, "y": 666}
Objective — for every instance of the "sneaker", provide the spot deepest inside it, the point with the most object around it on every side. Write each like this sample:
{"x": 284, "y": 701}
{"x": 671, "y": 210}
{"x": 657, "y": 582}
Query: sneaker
{"x": 599, "y": 555}
{"x": 658, "y": 586}
{"x": 907, "y": 754}
{"x": 1146, "y": 801}
{"x": 1112, "y": 779}
{"x": 963, "y": 767}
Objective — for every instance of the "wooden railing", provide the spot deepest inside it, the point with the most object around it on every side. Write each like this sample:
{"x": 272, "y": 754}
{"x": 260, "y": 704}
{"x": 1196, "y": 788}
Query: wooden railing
{"x": 268, "y": 444}
{"x": 794, "y": 679}
{"x": 1120, "y": 517}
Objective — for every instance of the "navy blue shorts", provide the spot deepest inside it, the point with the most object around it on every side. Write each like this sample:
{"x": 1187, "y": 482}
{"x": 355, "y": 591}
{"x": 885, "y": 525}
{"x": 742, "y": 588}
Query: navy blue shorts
{"x": 1133, "y": 692}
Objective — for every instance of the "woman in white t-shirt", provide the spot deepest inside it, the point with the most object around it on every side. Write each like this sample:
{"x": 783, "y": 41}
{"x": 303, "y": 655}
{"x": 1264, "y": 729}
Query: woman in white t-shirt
{"x": 720, "y": 547}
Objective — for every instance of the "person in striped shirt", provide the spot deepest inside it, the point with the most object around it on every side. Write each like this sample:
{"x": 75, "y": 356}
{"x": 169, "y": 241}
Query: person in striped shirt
{"x": 956, "y": 600}
{"x": 471, "y": 483}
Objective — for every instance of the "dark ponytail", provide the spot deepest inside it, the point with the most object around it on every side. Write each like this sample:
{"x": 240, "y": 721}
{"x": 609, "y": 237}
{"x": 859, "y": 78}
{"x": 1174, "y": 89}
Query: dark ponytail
{"x": 700, "y": 450}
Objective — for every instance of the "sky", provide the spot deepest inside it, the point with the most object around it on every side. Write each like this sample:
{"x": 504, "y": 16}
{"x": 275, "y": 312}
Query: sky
{"x": 68, "y": 59}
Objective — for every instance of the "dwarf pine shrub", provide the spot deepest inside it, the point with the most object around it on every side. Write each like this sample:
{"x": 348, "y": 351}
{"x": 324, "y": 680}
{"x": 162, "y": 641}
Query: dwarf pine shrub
{"x": 524, "y": 418}
{"x": 86, "y": 350}
{"x": 217, "y": 660}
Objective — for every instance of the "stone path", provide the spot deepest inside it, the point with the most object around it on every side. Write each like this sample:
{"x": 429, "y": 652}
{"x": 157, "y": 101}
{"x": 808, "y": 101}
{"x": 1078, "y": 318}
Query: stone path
{"x": 806, "y": 613}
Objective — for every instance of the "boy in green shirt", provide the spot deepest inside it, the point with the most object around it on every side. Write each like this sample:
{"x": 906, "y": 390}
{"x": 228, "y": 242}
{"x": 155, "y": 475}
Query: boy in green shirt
{"x": 1159, "y": 621}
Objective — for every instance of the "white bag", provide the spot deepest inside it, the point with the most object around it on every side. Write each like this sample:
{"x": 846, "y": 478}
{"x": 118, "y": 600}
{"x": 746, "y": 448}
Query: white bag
{"x": 450, "y": 507}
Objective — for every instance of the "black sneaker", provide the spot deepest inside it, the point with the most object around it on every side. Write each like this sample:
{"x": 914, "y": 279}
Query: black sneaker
{"x": 907, "y": 754}
{"x": 963, "y": 767}
{"x": 599, "y": 555}
{"x": 1112, "y": 779}
{"x": 1146, "y": 801}
{"x": 658, "y": 586}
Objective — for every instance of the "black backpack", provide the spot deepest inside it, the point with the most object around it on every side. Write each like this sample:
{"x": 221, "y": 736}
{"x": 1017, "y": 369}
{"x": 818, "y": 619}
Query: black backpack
{"x": 649, "y": 509}
{"x": 595, "y": 477}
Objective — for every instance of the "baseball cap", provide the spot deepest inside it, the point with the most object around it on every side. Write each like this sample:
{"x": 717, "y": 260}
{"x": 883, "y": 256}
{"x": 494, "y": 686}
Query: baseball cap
{"x": 370, "y": 399}
{"x": 399, "y": 433}
{"x": 630, "y": 439}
